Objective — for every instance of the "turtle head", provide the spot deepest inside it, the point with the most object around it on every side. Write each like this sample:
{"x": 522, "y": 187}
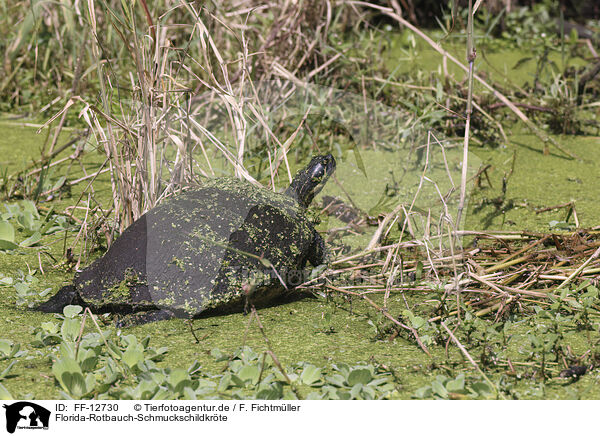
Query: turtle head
{"x": 309, "y": 181}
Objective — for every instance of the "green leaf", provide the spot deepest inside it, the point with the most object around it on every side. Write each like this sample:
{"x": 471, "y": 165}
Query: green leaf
{"x": 269, "y": 394}
{"x": 356, "y": 390}
{"x": 70, "y": 329}
{"x": 7, "y": 245}
{"x": 335, "y": 379}
{"x": 417, "y": 322}
{"x": 4, "y": 394}
{"x": 49, "y": 327}
{"x": 71, "y": 311}
{"x": 249, "y": 373}
{"x": 26, "y": 221}
{"x": 115, "y": 349}
{"x": 359, "y": 161}
{"x": 456, "y": 385}
{"x": 22, "y": 288}
{"x": 132, "y": 356}
{"x": 317, "y": 271}
{"x": 419, "y": 271}
{"x": 247, "y": 355}
{"x": 194, "y": 367}
{"x": 237, "y": 381}
{"x": 7, "y": 231}
{"x": 310, "y": 375}
{"x": 189, "y": 394}
{"x": 521, "y": 62}
{"x": 7, "y": 236}
{"x": 32, "y": 240}
{"x": 224, "y": 383}
{"x": 5, "y": 347}
{"x": 61, "y": 181}
{"x": 362, "y": 376}
{"x": 87, "y": 359}
{"x": 343, "y": 368}
{"x": 439, "y": 389}
{"x": 423, "y": 392}
{"x": 29, "y": 207}
{"x": 7, "y": 369}
{"x": 378, "y": 381}
{"x": 90, "y": 382}
{"x": 343, "y": 395}
{"x": 219, "y": 355}
{"x": 178, "y": 378}
{"x": 482, "y": 389}
{"x": 69, "y": 375}
{"x": 67, "y": 349}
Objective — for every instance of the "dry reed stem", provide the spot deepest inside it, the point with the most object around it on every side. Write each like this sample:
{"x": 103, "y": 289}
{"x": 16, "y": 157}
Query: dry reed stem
{"x": 578, "y": 270}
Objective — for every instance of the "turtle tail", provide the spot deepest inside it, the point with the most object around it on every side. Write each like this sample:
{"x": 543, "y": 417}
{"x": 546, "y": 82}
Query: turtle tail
{"x": 65, "y": 296}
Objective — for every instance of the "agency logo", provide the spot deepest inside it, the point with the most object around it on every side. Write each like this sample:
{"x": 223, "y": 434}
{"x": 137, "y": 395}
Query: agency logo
{"x": 26, "y": 415}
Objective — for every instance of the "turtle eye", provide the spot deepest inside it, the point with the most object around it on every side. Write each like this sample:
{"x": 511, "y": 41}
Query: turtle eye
{"x": 318, "y": 174}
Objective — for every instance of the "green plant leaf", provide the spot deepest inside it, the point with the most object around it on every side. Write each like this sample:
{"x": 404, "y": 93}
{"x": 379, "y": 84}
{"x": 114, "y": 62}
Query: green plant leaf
{"x": 87, "y": 359}
{"x": 419, "y": 271}
{"x": 269, "y": 394}
{"x": 4, "y": 394}
{"x": 356, "y": 390}
{"x": 61, "y": 181}
{"x": 362, "y": 376}
{"x": 456, "y": 385}
{"x": 90, "y": 382}
{"x": 482, "y": 389}
{"x": 7, "y": 369}
{"x": 249, "y": 373}
{"x": 189, "y": 394}
{"x": 237, "y": 381}
{"x": 71, "y": 311}
{"x": 29, "y": 207}
{"x": 27, "y": 222}
{"x": 178, "y": 379}
{"x": 70, "y": 329}
{"x": 22, "y": 288}
{"x": 336, "y": 380}
{"x": 7, "y": 236}
{"x": 218, "y": 355}
{"x": 7, "y": 231}
{"x": 69, "y": 375}
{"x": 310, "y": 375}
{"x": 5, "y": 347}
{"x": 224, "y": 383}
{"x": 132, "y": 356}
{"x": 423, "y": 392}
{"x": 50, "y": 327}
{"x": 32, "y": 240}
{"x": 7, "y": 245}
{"x": 439, "y": 389}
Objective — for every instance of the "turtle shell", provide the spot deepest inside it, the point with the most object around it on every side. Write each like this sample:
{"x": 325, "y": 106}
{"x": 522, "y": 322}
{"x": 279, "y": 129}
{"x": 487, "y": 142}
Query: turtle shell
{"x": 213, "y": 248}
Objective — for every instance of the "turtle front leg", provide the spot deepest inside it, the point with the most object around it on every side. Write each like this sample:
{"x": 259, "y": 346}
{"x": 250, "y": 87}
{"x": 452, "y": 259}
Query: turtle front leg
{"x": 65, "y": 296}
{"x": 317, "y": 255}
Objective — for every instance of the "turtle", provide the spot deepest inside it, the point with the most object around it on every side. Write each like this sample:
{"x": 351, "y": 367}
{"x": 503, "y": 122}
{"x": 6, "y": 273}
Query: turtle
{"x": 213, "y": 249}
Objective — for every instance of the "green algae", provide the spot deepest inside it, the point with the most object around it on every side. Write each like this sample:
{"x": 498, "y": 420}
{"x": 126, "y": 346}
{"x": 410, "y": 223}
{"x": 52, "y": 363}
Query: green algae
{"x": 119, "y": 293}
{"x": 505, "y": 65}
{"x": 538, "y": 182}
{"x": 293, "y": 329}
